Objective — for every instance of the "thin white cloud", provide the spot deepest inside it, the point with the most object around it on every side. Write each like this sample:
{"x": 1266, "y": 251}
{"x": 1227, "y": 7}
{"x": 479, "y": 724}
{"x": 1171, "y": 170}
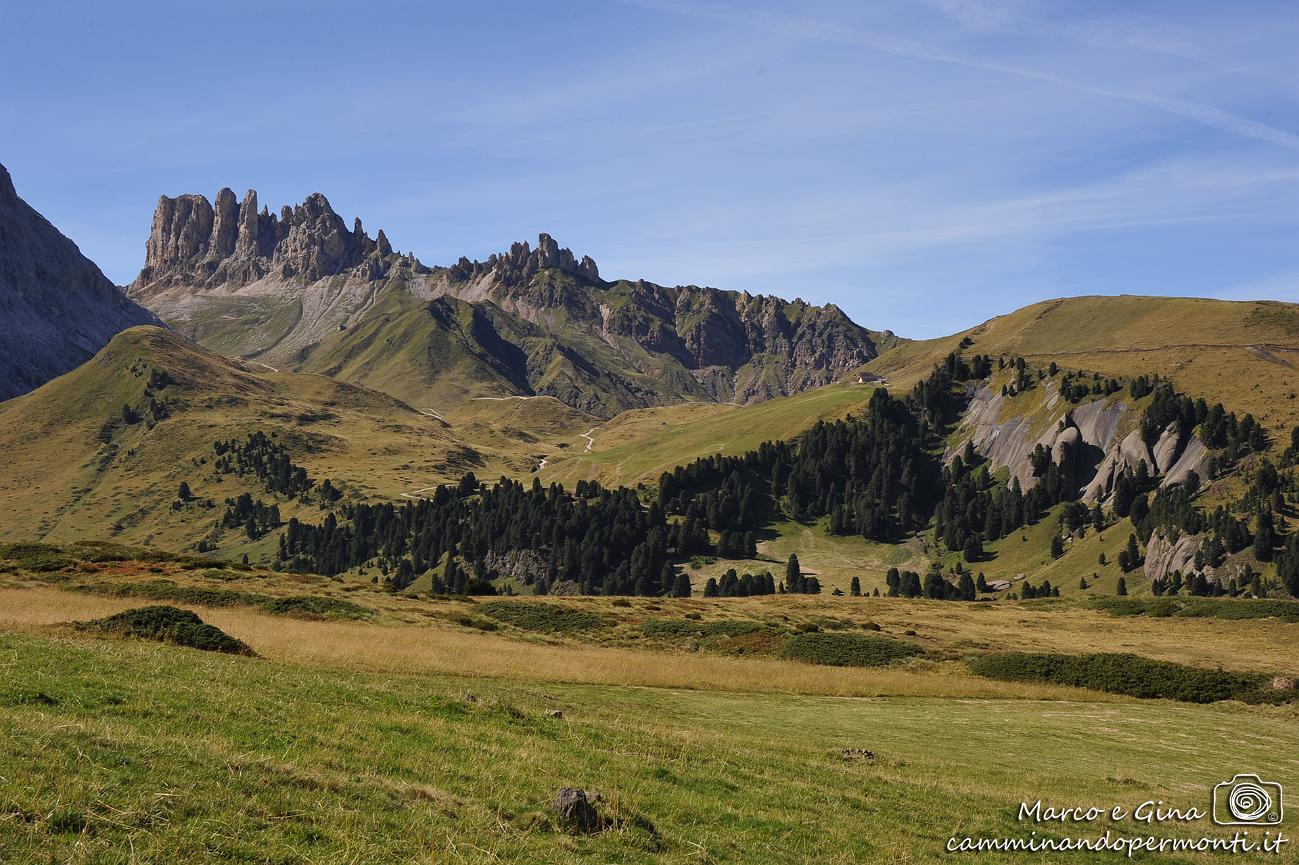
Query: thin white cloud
{"x": 813, "y": 29}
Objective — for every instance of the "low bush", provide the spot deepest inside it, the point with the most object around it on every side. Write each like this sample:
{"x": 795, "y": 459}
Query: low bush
{"x": 545, "y": 617}
{"x": 1131, "y": 675}
{"x": 475, "y": 622}
{"x": 687, "y": 628}
{"x": 315, "y": 607}
{"x": 1213, "y": 608}
{"x": 166, "y": 590}
{"x": 671, "y": 629}
{"x": 847, "y": 650}
{"x": 170, "y": 625}
{"x": 38, "y": 558}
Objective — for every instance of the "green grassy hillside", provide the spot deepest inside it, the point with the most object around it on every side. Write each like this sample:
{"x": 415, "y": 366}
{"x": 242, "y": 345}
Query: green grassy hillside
{"x": 75, "y": 468}
{"x": 638, "y": 446}
{"x": 1244, "y": 354}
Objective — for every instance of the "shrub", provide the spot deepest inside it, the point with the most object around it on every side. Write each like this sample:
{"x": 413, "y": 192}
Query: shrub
{"x": 469, "y": 621}
{"x": 537, "y": 616}
{"x": 166, "y": 590}
{"x": 671, "y": 629}
{"x": 1132, "y": 675}
{"x": 39, "y": 558}
{"x": 315, "y": 607}
{"x": 170, "y": 625}
{"x": 731, "y": 628}
{"x": 1216, "y": 608}
{"x": 847, "y": 650}
{"x": 686, "y": 628}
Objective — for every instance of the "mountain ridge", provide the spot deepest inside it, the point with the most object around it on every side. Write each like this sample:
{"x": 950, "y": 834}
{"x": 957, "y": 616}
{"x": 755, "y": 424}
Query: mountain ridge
{"x": 287, "y": 291}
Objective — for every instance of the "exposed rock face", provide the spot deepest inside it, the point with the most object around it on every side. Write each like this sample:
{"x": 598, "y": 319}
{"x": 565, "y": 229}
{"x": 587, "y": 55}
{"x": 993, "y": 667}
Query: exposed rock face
{"x": 1166, "y": 449}
{"x": 1076, "y": 437}
{"x": 1130, "y": 453}
{"x": 1193, "y": 460}
{"x": 281, "y": 289}
{"x": 195, "y": 244}
{"x": 1164, "y": 556}
{"x": 737, "y": 346}
{"x": 56, "y": 308}
{"x": 523, "y": 262}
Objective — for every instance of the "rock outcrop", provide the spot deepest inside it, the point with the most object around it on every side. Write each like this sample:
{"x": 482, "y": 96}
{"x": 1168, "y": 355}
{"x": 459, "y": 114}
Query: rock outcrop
{"x": 1165, "y": 555}
{"x": 56, "y": 308}
{"x": 1076, "y": 437}
{"x": 1177, "y": 455}
{"x": 1194, "y": 460}
{"x": 522, "y": 262}
{"x": 199, "y": 245}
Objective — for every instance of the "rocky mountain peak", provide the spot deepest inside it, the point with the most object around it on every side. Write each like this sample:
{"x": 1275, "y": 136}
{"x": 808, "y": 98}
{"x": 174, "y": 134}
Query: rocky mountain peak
{"x": 193, "y": 242}
{"x": 8, "y": 195}
{"x": 56, "y": 308}
{"x": 523, "y": 261}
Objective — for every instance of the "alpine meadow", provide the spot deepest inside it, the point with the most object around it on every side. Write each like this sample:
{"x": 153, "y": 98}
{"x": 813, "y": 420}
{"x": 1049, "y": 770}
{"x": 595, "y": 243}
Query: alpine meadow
{"x": 901, "y": 466}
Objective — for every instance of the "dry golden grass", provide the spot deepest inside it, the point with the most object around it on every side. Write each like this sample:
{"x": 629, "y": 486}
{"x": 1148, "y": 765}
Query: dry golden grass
{"x": 412, "y": 649}
{"x": 1241, "y": 353}
{"x": 1251, "y": 645}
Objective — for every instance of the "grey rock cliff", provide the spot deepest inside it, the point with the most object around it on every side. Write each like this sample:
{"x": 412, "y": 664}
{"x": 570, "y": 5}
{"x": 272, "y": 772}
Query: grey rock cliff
{"x": 196, "y": 245}
{"x": 56, "y": 308}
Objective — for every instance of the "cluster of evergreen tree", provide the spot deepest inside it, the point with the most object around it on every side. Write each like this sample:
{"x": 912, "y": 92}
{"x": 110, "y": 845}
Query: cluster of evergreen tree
{"x": 1130, "y": 557}
{"x": 1219, "y": 428}
{"x": 260, "y": 455}
{"x": 934, "y": 400}
{"x": 1028, "y": 591}
{"x": 256, "y": 518}
{"x": 903, "y": 584}
{"x": 976, "y": 510}
{"x": 603, "y": 541}
{"x": 1075, "y": 386}
{"x": 935, "y": 586}
{"x": 1194, "y": 584}
{"x": 733, "y": 585}
{"x": 796, "y": 582}
{"x": 1287, "y": 564}
{"x": 871, "y": 476}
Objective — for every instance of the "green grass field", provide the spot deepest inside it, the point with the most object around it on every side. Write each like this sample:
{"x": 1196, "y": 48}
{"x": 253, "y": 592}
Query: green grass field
{"x": 127, "y": 752}
{"x": 385, "y": 727}
{"x": 638, "y": 446}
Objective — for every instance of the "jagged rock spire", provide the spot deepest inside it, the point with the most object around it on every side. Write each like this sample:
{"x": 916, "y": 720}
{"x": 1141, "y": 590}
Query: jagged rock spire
{"x": 522, "y": 261}
{"x": 192, "y": 242}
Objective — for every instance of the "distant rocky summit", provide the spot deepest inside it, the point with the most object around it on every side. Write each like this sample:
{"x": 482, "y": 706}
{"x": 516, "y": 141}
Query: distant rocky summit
{"x": 196, "y": 244}
{"x": 302, "y": 291}
{"x": 56, "y": 308}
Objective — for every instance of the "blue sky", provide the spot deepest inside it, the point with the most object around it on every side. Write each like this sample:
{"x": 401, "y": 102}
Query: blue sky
{"x": 924, "y": 164}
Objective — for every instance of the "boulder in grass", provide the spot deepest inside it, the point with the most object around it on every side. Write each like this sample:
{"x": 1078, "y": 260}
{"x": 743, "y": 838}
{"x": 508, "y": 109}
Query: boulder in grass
{"x": 576, "y": 811}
